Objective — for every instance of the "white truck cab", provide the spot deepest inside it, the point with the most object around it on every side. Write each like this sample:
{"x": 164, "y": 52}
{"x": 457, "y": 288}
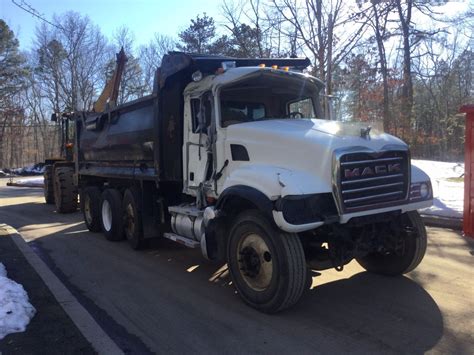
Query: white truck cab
{"x": 275, "y": 177}
{"x": 271, "y": 135}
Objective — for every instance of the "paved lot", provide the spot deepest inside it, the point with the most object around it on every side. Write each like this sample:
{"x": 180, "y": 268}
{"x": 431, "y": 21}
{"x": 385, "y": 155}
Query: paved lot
{"x": 167, "y": 299}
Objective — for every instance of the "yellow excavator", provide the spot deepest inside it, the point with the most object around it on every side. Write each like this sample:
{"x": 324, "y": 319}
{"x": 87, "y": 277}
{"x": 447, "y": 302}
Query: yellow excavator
{"x": 110, "y": 93}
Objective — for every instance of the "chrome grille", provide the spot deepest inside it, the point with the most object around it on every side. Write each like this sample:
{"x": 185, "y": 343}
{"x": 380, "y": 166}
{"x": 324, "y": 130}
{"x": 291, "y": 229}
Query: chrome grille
{"x": 372, "y": 179}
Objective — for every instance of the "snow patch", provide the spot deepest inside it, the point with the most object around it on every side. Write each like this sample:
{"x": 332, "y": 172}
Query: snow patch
{"x": 15, "y": 309}
{"x": 448, "y": 187}
{"x": 37, "y": 181}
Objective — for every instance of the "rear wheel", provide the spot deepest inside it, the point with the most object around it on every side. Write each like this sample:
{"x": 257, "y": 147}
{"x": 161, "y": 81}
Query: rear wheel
{"x": 48, "y": 185}
{"x": 267, "y": 266}
{"x": 133, "y": 218}
{"x": 407, "y": 256}
{"x": 112, "y": 215}
{"x": 65, "y": 192}
{"x": 90, "y": 206}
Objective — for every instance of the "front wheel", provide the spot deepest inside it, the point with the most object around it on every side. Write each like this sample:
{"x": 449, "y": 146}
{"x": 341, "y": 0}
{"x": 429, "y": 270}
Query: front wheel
{"x": 267, "y": 266}
{"x": 411, "y": 250}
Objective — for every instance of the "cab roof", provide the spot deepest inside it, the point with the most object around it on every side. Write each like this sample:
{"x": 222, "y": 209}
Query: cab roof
{"x": 176, "y": 63}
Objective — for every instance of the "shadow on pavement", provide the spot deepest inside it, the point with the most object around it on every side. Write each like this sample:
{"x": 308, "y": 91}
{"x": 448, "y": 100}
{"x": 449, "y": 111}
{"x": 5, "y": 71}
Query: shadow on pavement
{"x": 373, "y": 312}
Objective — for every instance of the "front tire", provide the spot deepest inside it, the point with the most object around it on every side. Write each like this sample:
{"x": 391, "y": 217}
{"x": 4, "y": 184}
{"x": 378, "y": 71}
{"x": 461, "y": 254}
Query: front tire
{"x": 410, "y": 255}
{"x": 112, "y": 215}
{"x": 267, "y": 266}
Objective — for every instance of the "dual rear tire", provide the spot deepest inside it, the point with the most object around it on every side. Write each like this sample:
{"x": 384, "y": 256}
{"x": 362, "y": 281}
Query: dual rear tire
{"x": 118, "y": 218}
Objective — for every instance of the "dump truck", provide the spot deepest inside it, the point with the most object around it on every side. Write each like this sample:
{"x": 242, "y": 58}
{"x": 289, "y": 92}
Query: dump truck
{"x": 240, "y": 159}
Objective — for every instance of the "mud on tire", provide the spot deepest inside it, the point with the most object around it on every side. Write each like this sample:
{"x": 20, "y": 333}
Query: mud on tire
{"x": 133, "y": 227}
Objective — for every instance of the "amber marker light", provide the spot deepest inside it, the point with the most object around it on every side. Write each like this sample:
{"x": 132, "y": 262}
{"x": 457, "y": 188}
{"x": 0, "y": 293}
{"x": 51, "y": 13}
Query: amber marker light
{"x": 274, "y": 66}
{"x": 261, "y": 65}
{"x": 285, "y": 68}
{"x": 69, "y": 145}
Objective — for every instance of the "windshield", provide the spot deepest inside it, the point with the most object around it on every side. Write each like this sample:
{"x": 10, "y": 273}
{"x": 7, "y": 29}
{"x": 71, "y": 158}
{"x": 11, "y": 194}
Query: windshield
{"x": 347, "y": 107}
{"x": 269, "y": 96}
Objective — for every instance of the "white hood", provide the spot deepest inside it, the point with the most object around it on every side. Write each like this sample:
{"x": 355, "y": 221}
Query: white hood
{"x": 299, "y": 150}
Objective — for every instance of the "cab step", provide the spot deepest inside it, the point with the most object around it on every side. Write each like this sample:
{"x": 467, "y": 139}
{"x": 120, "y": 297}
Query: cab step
{"x": 182, "y": 240}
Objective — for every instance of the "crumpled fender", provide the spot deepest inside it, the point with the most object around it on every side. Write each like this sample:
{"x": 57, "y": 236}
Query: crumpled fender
{"x": 276, "y": 182}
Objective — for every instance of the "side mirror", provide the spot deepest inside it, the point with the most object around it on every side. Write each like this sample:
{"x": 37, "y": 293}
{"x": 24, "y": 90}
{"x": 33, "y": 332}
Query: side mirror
{"x": 54, "y": 117}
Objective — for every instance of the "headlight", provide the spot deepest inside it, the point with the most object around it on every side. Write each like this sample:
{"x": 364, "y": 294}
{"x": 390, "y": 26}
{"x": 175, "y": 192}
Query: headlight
{"x": 424, "y": 190}
{"x": 420, "y": 191}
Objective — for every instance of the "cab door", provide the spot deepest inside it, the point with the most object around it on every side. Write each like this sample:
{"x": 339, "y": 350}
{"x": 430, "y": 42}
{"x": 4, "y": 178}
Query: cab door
{"x": 196, "y": 148}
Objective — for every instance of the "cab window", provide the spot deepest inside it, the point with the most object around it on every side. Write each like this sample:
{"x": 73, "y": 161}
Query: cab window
{"x": 201, "y": 107}
{"x": 238, "y": 112}
{"x": 304, "y": 107}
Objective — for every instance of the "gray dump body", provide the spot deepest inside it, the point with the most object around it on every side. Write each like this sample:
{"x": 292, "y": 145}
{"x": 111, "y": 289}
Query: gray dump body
{"x": 120, "y": 142}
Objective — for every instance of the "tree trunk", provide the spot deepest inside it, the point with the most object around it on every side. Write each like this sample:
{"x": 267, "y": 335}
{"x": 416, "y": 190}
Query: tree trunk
{"x": 383, "y": 69}
{"x": 407, "y": 86}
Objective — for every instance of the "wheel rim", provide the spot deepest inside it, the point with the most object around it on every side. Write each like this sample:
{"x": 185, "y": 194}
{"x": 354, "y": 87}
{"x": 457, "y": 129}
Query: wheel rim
{"x": 129, "y": 221}
{"x": 255, "y": 262}
{"x": 106, "y": 215}
{"x": 87, "y": 209}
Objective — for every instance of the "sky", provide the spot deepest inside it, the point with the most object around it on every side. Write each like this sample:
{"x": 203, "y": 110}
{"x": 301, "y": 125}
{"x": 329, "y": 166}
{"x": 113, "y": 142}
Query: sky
{"x": 143, "y": 17}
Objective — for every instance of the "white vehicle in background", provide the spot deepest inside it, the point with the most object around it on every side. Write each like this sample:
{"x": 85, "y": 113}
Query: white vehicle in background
{"x": 236, "y": 157}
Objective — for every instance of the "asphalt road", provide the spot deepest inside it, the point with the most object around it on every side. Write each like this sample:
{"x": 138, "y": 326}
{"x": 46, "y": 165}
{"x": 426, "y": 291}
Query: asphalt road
{"x": 168, "y": 299}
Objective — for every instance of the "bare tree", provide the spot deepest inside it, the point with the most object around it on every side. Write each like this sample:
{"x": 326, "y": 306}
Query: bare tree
{"x": 377, "y": 19}
{"x": 320, "y": 26}
{"x": 151, "y": 54}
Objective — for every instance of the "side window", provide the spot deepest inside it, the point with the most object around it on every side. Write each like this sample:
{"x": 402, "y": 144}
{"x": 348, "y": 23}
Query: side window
{"x": 195, "y": 104}
{"x": 305, "y": 107}
{"x": 201, "y": 111}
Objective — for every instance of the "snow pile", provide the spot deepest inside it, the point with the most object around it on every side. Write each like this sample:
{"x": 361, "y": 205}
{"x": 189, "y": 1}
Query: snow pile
{"x": 15, "y": 309}
{"x": 31, "y": 182}
{"x": 448, "y": 187}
